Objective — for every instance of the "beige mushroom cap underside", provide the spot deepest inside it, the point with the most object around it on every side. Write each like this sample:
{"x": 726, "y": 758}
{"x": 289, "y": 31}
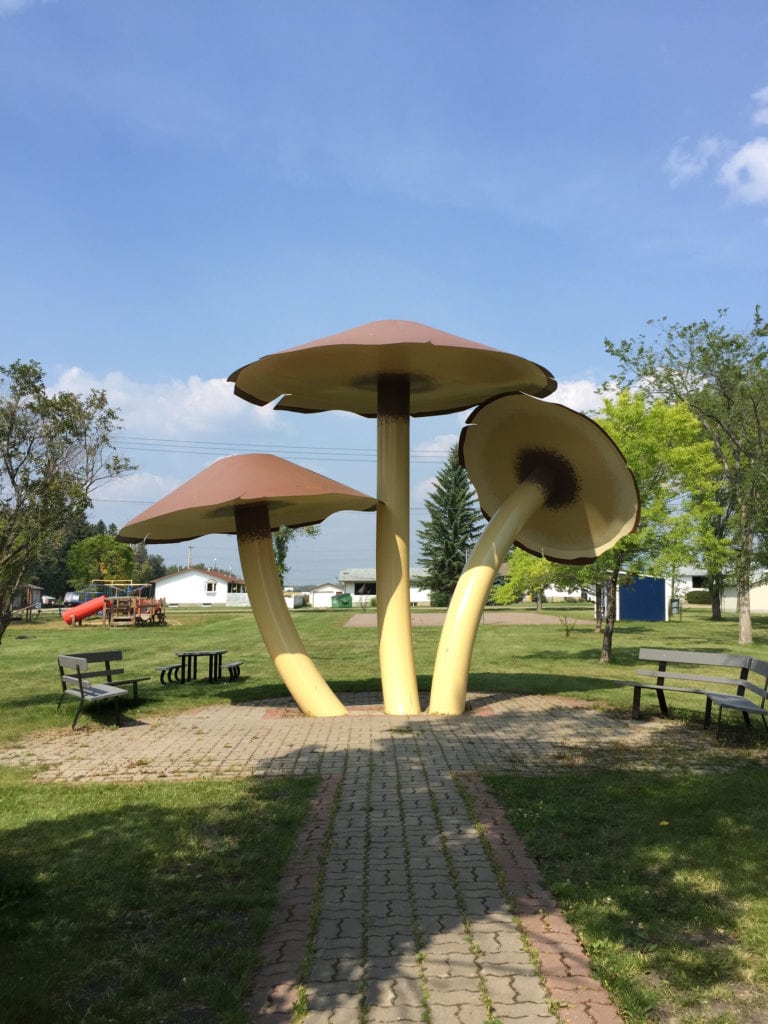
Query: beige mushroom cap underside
{"x": 206, "y": 503}
{"x": 594, "y": 500}
{"x": 445, "y": 373}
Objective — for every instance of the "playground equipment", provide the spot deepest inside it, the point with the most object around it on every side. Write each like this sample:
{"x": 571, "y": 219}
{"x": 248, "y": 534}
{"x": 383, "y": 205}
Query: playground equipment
{"x": 120, "y": 603}
{"x": 83, "y": 610}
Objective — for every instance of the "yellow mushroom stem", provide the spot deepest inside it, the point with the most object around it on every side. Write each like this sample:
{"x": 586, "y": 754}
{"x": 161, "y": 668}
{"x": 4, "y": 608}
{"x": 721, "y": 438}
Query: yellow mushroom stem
{"x": 457, "y": 638}
{"x": 297, "y": 670}
{"x": 393, "y": 594}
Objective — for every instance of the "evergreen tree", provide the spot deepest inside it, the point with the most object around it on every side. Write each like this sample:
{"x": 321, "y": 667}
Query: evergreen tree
{"x": 449, "y": 532}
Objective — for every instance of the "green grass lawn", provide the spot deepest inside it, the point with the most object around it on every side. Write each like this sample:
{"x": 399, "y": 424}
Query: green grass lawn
{"x": 161, "y": 891}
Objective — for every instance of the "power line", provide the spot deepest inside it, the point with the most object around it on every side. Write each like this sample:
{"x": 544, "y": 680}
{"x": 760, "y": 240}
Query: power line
{"x": 167, "y": 445}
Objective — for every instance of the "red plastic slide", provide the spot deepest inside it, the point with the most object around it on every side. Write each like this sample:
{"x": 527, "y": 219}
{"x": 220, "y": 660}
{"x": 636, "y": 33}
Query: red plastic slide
{"x": 82, "y": 611}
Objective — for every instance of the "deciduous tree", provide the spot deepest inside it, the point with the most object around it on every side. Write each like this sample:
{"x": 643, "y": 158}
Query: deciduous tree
{"x": 55, "y": 449}
{"x": 722, "y": 375}
{"x": 677, "y": 475}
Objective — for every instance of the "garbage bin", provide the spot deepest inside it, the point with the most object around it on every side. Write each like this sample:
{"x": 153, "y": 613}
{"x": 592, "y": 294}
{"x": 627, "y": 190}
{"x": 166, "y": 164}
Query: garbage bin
{"x": 674, "y": 607}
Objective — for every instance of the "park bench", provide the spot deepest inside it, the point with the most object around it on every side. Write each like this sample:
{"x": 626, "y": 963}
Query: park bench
{"x": 98, "y": 673}
{"x": 698, "y": 670}
{"x": 739, "y": 701}
{"x": 233, "y": 667}
{"x": 75, "y": 683}
{"x": 169, "y": 673}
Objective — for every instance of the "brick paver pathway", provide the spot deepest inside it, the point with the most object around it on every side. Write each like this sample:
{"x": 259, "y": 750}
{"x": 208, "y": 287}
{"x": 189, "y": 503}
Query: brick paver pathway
{"x": 396, "y": 906}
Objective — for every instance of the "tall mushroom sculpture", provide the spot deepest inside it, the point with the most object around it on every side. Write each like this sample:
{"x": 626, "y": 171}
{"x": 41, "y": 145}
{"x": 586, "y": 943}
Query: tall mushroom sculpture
{"x": 390, "y": 370}
{"x": 251, "y": 495}
{"x": 549, "y": 480}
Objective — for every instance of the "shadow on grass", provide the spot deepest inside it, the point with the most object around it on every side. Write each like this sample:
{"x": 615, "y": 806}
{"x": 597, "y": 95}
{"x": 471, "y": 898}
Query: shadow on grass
{"x": 646, "y": 865}
{"x": 128, "y": 903}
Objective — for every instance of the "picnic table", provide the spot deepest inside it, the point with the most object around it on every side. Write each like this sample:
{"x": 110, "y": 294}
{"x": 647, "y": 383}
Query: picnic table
{"x": 188, "y": 670}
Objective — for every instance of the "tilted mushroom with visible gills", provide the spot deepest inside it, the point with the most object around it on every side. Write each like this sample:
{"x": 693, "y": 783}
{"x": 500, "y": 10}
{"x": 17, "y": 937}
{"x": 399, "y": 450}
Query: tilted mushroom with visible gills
{"x": 251, "y": 495}
{"x": 391, "y": 370}
{"x": 551, "y": 481}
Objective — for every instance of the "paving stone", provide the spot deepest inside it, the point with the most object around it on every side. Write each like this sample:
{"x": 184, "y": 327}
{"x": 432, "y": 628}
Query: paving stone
{"x": 398, "y": 813}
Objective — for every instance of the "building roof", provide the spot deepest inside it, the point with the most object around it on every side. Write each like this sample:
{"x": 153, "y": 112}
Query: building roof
{"x": 369, "y": 575}
{"x": 225, "y": 577}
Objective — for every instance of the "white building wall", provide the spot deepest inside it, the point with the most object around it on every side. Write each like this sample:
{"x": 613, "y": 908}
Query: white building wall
{"x": 758, "y": 599}
{"x": 192, "y": 588}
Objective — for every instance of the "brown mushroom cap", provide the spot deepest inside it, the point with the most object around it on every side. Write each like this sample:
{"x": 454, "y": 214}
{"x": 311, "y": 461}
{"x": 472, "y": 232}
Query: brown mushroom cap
{"x": 592, "y": 500}
{"x": 206, "y": 503}
{"x": 445, "y": 373}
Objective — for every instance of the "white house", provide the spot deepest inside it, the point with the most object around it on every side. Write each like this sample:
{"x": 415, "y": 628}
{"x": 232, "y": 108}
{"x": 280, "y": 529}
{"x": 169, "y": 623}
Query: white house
{"x": 758, "y": 599}
{"x": 323, "y": 595}
{"x": 201, "y": 586}
{"x": 361, "y": 584}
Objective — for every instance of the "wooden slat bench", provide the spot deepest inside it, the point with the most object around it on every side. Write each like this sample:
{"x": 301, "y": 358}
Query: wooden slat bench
{"x": 76, "y": 684}
{"x": 739, "y": 701}
{"x": 101, "y": 665}
{"x": 699, "y": 669}
{"x": 697, "y": 660}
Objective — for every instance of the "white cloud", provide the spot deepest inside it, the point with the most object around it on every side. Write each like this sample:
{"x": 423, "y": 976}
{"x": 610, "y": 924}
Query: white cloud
{"x": 579, "y": 395}
{"x": 438, "y": 446}
{"x": 173, "y": 409}
{"x": 686, "y": 161}
{"x": 745, "y": 174}
{"x": 761, "y": 99}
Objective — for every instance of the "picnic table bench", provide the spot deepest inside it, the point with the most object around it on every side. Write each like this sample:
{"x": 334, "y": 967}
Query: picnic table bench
{"x": 77, "y": 675}
{"x": 723, "y": 690}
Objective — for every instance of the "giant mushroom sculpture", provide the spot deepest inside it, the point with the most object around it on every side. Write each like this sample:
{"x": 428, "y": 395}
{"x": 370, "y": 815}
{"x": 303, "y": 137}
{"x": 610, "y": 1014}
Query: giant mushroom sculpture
{"x": 549, "y": 480}
{"x": 251, "y": 495}
{"x": 390, "y": 370}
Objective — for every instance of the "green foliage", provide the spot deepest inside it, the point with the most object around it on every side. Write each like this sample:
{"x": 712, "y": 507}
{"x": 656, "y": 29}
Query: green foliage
{"x": 147, "y": 566}
{"x": 101, "y": 557}
{"x": 529, "y": 575}
{"x": 722, "y": 376}
{"x": 281, "y": 541}
{"x": 698, "y": 597}
{"x": 449, "y": 530}
{"x": 56, "y": 449}
{"x": 677, "y": 476}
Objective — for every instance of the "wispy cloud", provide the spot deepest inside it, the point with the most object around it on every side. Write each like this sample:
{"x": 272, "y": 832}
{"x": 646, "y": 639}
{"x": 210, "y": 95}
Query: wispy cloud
{"x": 687, "y": 160}
{"x": 761, "y": 99}
{"x": 744, "y": 173}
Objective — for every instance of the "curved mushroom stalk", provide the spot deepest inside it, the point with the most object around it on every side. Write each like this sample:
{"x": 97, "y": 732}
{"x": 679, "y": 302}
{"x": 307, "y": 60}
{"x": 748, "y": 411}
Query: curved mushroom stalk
{"x": 392, "y": 370}
{"x": 465, "y": 609}
{"x": 297, "y": 670}
{"x": 569, "y": 494}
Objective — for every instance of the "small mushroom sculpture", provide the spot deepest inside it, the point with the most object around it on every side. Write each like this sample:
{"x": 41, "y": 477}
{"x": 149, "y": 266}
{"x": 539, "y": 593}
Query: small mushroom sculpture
{"x": 391, "y": 370}
{"x": 251, "y": 495}
{"x": 549, "y": 480}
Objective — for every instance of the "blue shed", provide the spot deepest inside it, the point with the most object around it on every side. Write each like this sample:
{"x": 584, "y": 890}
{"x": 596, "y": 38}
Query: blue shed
{"x": 644, "y": 600}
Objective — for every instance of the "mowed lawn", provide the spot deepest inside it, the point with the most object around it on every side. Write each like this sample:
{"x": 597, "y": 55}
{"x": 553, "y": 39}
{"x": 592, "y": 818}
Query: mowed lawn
{"x": 147, "y": 902}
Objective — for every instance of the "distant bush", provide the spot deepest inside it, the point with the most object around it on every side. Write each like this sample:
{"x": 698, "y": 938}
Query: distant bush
{"x": 698, "y": 597}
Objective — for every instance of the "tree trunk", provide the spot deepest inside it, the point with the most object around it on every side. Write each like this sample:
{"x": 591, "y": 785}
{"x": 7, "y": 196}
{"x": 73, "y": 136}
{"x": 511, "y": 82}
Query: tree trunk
{"x": 598, "y": 607}
{"x": 610, "y": 615}
{"x": 745, "y": 615}
{"x": 716, "y": 594}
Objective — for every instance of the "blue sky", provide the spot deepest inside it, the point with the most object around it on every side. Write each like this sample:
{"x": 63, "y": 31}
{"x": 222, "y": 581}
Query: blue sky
{"x": 187, "y": 186}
